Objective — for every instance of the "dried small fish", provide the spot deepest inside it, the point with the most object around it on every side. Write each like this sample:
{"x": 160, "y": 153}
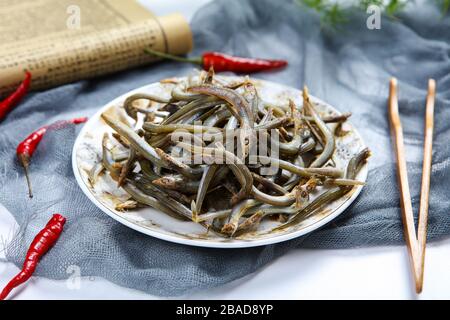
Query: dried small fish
{"x": 95, "y": 171}
{"x": 326, "y": 132}
{"x": 226, "y": 192}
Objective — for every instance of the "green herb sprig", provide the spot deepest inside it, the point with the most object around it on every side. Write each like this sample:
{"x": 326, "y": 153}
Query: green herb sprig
{"x": 334, "y": 12}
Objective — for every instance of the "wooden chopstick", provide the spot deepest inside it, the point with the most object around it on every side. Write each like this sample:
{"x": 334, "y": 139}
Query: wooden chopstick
{"x": 402, "y": 175}
{"x": 426, "y": 176}
{"x": 416, "y": 245}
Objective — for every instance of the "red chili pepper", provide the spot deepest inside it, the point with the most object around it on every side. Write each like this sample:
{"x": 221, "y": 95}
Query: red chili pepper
{"x": 14, "y": 98}
{"x": 43, "y": 241}
{"x": 223, "y": 62}
{"x": 27, "y": 147}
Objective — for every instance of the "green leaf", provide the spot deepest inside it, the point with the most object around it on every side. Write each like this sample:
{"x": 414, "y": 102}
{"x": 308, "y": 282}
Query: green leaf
{"x": 394, "y": 6}
{"x": 366, "y": 3}
{"x": 318, "y": 5}
{"x": 445, "y": 6}
{"x": 334, "y": 15}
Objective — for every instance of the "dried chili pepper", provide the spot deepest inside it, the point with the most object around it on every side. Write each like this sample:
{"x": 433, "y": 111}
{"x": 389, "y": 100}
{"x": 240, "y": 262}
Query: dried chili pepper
{"x": 43, "y": 241}
{"x": 27, "y": 147}
{"x": 14, "y": 98}
{"x": 223, "y": 62}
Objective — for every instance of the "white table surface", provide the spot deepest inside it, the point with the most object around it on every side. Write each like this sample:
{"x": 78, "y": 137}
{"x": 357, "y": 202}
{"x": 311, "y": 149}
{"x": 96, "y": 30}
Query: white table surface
{"x": 370, "y": 273}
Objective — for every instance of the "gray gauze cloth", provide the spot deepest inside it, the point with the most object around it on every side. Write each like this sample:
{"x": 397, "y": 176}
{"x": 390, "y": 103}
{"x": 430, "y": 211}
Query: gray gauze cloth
{"x": 349, "y": 68}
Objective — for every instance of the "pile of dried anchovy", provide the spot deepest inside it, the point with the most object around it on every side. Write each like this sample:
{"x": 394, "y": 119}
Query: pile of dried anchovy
{"x": 231, "y": 197}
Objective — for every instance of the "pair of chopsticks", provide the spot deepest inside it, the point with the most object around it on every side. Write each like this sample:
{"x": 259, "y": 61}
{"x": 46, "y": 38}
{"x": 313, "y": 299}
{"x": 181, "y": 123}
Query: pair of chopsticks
{"x": 415, "y": 243}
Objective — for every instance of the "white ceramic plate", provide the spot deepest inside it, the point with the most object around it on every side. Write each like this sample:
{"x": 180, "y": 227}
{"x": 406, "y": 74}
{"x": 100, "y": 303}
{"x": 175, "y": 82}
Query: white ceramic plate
{"x": 105, "y": 194}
